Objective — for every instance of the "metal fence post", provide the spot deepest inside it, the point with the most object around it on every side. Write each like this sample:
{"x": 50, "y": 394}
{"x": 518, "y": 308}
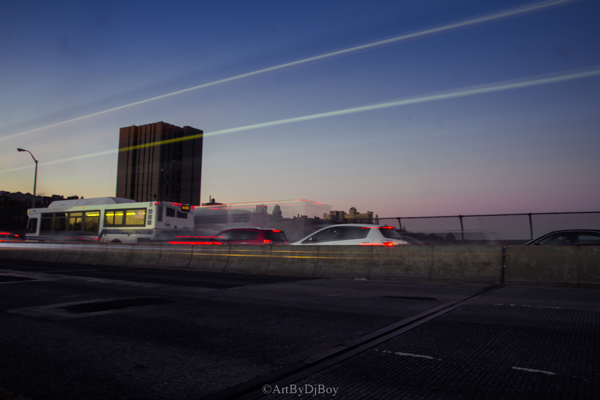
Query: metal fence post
{"x": 530, "y": 228}
{"x": 503, "y": 264}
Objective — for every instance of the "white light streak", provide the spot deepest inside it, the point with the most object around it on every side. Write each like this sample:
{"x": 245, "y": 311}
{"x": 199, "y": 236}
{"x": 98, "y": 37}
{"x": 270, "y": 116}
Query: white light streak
{"x": 514, "y": 12}
{"x": 416, "y": 100}
{"x": 63, "y": 160}
{"x": 465, "y": 92}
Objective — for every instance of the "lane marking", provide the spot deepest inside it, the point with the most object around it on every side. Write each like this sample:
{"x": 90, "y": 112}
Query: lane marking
{"x": 407, "y": 354}
{"x": 414, "y": 355}
{"x": 540, "y": 307}
{"x": 534, "y": 370}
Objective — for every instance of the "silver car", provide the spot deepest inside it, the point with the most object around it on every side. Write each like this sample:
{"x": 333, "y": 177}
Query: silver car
{"x": 356, "y": 234}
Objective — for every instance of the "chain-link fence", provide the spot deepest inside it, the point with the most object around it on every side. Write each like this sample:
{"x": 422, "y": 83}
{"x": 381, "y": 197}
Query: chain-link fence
{"x": 494, "y": 228}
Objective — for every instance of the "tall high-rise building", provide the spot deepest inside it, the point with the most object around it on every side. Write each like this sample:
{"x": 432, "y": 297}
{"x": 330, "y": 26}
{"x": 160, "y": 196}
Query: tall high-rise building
{"x": 160, "y": 162}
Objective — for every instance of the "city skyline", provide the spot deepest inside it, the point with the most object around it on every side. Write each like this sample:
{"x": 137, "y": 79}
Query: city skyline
{"x": 398, "y": 108}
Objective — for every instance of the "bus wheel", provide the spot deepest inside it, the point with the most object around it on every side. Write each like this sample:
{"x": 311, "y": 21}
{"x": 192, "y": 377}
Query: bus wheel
{"x": 116, "y": 241}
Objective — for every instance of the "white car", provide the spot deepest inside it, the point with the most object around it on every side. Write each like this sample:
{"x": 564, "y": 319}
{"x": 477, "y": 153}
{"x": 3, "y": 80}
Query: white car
{"x": 356, "y": 234}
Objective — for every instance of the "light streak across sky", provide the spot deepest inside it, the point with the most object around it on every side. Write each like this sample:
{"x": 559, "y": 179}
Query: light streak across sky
{"x": 511, "y": 13}
{"x": 463, "y": 92}
{"x": 416, "y": 100}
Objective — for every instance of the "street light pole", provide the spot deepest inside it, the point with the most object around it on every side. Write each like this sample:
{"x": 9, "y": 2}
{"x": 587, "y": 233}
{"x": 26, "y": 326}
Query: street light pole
{"x": 35, "y": 178}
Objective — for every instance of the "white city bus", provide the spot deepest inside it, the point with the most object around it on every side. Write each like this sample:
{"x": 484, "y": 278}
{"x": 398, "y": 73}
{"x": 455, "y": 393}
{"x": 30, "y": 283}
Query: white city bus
{"x": 107, "y": 219}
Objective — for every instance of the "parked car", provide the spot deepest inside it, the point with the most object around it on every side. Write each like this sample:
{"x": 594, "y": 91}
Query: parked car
{"x": 357, "y": 234}
{"x": 253, "y": 236}
{"x": 568, "y": 237}
{"x": 10, "y": 237}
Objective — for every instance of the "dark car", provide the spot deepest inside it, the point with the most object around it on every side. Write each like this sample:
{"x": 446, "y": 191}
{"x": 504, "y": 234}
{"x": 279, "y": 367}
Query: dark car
{"x": 568, "y": 237}
{"x": 254, "y": 236}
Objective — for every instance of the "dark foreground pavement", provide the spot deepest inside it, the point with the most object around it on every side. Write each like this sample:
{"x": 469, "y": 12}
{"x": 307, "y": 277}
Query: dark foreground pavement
{"x": 513, "y": 343}
{"x": 83, "y": 332}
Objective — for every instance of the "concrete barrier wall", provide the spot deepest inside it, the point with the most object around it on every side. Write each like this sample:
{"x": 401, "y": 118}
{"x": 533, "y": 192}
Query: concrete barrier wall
{"x": 175, "y": 257}
{"x": 553, "y": 265}
{"x": 94, "y": 254}
{"x": 209, "y": 258}
{"x": 344, "y": 262}
{"x": 117, "y": 254}
{"x": 525, "y": 265}
{"x": 71, "y": 253}
{"x": 145, "y": 255}
{"x": 49, "y": 252}
{"x": 293, "y": 261}
{"x": 13, "y": 251}
{"x": 467, "y": 263}
{"x": 589, "y": 266}
{"x": 403, "y": 262}
{"x": 248, "y": 259}
{"x": 32, "y": 251}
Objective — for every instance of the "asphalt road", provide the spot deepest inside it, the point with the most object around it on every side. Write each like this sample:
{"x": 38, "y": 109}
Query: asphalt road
{"x": 88, "y": 332}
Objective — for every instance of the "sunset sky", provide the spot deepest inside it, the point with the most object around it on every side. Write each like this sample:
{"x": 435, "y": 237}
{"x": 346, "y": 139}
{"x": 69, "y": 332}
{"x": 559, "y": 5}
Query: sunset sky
{"x": 403, "y": 108}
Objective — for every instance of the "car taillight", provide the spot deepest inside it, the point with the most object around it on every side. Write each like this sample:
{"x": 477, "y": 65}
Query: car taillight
{"x": 389, "y": 244}
{"x": 194, "y": 243}
{"x": 267, "y": 241}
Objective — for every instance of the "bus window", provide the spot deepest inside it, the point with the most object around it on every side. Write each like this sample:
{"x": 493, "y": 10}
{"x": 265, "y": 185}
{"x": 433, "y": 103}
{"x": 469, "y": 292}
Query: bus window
{"x": 119, "y": 217}
{"x": 136, "y": 217}
{"x": 170, "y": 212}
{"x": 159, "y": 213}
{"x": 92, "y": 221}
{"x": 46, "y": 226}
{"x": 109, "y": 218}
{"x": 60, "y": 222}
{"x": 75, "y": 221}
{"x": 114, "y": 218}
{"x": 32, "y": 225}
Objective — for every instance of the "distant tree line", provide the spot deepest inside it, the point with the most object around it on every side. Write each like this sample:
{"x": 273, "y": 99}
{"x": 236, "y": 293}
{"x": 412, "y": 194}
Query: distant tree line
{"x": 14, "y": 206}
